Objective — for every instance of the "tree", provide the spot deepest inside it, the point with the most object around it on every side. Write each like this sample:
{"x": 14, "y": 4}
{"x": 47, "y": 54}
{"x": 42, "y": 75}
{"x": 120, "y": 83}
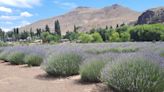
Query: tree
{"x": 57, "y": 28}
{"x": 114, "y": 37}
{"x": 85, "y": 38}
{"x": 125, "y": 36}
{"x": 47, "y": 29}
{"x": 24, "y": 35}
{"x": 31, "y": 33}
{"x": 103, "y": 33}
{"x": 38, "y": 32}
{"x": 71, "y": 36}
{"x": 117, "y": 26}
{"x": 47, "y": 37}
{"x": 2, "y": 34}
{"x": 97, "y": 37}
{"x": 44, "y": 36}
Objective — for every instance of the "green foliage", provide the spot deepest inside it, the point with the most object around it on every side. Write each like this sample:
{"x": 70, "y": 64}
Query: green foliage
{"x": 125, "y": 36}
{"x": 114, "y": 37}
{"x": 153, "y": 32}
{"x": 33, "y": 60}
{"x": 44, "y": 36}
{"x": 85, "y": 38}
{"x": 3, "y": 44}
{"x": 16, "y": 58}
{"x": 24, "y": 35}
{"x": 162, "y": 54}
{"x": 62, "y": 64}
{"x": 123, "y": 50}
{"x": 90, "y": 71}
{"x": 97, "y": 37}
{"x": 115, "y": 50}
{"x": 47, "y": 29}
{"x": 3, "y": 56}
{"x": 103, "y": 33}
{"x": 71, "y": 36}
{"x": 57, "y": 28}
{"x": 47, "y": 37}
{"x": 134, "y": 75}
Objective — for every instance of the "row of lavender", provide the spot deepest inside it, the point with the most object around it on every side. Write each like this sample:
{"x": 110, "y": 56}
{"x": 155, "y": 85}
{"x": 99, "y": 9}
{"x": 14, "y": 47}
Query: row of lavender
{"x": 126, "y": 67}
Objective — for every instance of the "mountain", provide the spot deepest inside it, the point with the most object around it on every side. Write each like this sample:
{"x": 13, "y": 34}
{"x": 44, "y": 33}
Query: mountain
{"x": 87, "y": 18}
{"x": 155, "y": 15}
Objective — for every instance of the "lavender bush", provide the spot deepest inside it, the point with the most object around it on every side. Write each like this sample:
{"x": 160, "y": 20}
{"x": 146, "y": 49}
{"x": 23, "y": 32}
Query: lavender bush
{"x": 16, "y": 58}
{"x": 134, "y": 74}
{"x": 90, "y": 71}
{"x": 62, "y": 64}
{"x": 33, "y": 60}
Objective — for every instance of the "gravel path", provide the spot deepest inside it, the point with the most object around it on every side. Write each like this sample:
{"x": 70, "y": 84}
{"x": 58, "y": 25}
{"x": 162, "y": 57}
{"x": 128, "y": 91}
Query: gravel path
{"x": 24, "y": 79}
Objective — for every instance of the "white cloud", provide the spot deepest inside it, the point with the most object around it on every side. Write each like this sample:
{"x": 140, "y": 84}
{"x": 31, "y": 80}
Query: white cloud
{"x": 4, "y": 9}
{"x": 8, "y": 17}
{"x": 6, "y": 29}
{"x": 20, "y": 3}
{"x": 11, "y": 18}
{"x": 26, "y": 14}
{"x": 65, "y": 4}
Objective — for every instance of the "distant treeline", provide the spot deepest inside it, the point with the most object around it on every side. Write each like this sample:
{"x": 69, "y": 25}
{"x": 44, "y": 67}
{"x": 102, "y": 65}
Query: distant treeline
{"x": 122, "y": 33}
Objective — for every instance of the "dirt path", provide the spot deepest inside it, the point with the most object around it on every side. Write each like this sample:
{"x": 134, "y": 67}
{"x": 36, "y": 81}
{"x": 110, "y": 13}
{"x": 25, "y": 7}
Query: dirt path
{"x": 24, "y": 79}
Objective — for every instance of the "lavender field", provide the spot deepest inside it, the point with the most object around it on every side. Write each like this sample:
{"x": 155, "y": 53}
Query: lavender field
{"x": 96, "y": 62}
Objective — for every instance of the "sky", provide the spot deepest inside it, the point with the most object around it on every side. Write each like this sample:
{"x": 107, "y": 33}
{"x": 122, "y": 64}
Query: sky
{"x": 17, "y": 13}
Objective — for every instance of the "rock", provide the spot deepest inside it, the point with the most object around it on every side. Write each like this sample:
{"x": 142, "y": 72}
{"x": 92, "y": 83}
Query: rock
{"x": 151, "y": 16}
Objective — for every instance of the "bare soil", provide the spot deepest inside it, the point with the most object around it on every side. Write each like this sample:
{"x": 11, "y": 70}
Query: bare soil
{"x": 21, "y": 78}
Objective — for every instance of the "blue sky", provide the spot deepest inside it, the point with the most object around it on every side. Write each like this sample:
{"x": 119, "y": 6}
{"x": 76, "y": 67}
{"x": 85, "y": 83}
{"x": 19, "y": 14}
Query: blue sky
{"x": 16, "y": 13}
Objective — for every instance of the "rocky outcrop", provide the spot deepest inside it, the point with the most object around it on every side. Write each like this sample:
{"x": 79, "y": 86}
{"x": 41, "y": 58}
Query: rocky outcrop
{"x": 155, "y": 15}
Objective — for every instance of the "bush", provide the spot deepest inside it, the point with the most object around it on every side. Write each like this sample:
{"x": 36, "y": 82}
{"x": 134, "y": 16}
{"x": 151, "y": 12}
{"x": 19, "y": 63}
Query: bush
{"x": 85, "y": 38}
{"x": 134, "y": 75}
{"x": 90, "y": 71}
{"x": 114, "y": 37}
{"x": 16, "y": 58}
{"x": 33, "y": 60}
{"x": 125, "y": 36}
{"x": 97, "y": 37}
{"x": 151, "y": 32}
{"x": 3, "y": 56}
{"x": 62, "y": 64}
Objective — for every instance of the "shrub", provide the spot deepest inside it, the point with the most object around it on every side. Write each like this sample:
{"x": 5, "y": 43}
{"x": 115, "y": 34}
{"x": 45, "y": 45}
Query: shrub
{"x": 97, "y": 37}
{"x": 85, "y": 38}
{"x": 33, "y": 60}
{"x": 90, "y": 71}
{"x": 16, "y": 58}
{"x": 62, "y": 64}
{"x": 3, "y": 56}
{"x": 125, "y": 36}
{"x": 134, "y": 75}
{"x": 114, "y": 37}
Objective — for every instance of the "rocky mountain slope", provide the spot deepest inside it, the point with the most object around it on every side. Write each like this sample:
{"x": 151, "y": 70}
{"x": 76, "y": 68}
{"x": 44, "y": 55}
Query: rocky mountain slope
{"x": 87, "y": 18}
{"x": 155, "y": 15}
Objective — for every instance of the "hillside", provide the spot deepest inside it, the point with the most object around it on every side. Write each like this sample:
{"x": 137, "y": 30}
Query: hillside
{"x": 155, "y": 15}
{"x": 87, "y": 18}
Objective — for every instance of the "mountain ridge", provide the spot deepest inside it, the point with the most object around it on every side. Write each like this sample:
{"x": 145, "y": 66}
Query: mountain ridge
{"x": 87, "y": 18}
